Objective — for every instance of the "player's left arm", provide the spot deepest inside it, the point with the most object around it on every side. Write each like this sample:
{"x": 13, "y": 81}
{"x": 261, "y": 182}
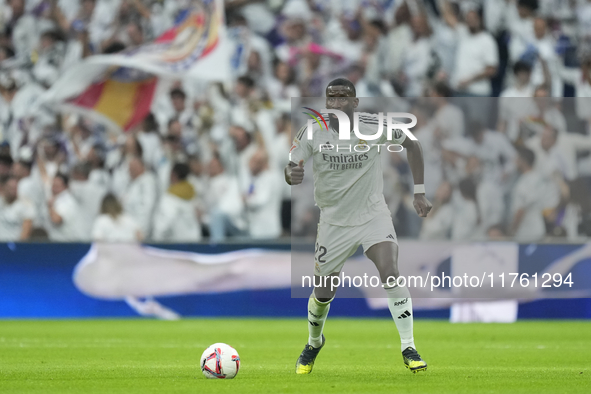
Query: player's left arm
{"x": 414, "y": 153}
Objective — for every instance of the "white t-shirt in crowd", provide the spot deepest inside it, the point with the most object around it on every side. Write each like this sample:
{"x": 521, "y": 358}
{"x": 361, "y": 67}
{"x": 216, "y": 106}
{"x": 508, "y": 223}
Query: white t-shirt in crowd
{"x": 89, "y": 196}
{"x": 528, "y": 194}
{"x": 140, "y": 199}
{"x": 496, "y": 154}
{"x": 475, "y": 52}
{"x": 121, "y": 229}
{"x": 12, "y": 217}
{"x": 449, "y": 119}
{"x": 562, "y": 157}
{"x": 68, "y": 209}
{"x": 30, "y": 188}
{"x": 175, "y": 220}
{"x": 490, "y": 205}
{"x": 438, "y": 225}
{"x": 223, "y": 194}
{"x": 416, "y": 61}
{"x": 465, "y": 220}
{"x": 263, "y": 206}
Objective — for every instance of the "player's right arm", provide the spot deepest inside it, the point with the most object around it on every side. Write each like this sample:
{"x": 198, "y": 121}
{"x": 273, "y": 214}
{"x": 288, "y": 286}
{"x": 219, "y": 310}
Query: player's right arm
{"x": 300, "y": 151}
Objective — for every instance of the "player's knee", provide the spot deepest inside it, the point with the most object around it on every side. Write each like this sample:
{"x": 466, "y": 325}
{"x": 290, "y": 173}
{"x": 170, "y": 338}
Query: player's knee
{"x": 389, "y": 273}
{"x": 395, "y": 272}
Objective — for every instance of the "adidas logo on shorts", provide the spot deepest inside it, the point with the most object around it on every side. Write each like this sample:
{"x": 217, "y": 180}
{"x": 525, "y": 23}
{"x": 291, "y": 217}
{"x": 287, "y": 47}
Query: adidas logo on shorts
{"x": 390, "y": 236}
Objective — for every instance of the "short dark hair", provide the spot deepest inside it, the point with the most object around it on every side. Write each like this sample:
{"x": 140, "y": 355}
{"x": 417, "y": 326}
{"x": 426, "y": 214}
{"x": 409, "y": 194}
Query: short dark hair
{"x": 7, "y": 50}
{"x": 83, "y": 169}
{"x": 139, "y": 148}
{"x": 114, "y": 47}
{"x": 111, "y": 206}
{"x": 6, "y": 160}
{"x": 527, "y": 155}
{"x": 380, "y": 25}
{"x": 177, "y": 92}
{"x": 521, "y": 66}
{"x": 181, "y": 170}
{"x": 247, "y": 81}
{"x": 55, "y": 35}
{"x": 149, "y": 123}
{"x": 27, "y": 164}
{"x": 63, "y": 177}
{"x": 342, "y": 82}
{"x": 443, "y": 89}
{"x": 531, "y": 4}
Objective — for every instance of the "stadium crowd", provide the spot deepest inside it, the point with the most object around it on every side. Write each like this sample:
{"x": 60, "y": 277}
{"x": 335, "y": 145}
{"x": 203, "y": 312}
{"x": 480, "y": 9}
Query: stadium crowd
{"x": 207, "y": 162}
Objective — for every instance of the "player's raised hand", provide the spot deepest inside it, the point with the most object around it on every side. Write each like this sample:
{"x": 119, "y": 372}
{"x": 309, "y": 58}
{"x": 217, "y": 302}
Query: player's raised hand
{"x": 422, "y": 205}
{"x": 294, "y": 174}
{"x": 297, "y": 173}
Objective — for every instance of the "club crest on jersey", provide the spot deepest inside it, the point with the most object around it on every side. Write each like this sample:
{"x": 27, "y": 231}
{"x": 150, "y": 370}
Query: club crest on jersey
{"x": 327, "y": 146}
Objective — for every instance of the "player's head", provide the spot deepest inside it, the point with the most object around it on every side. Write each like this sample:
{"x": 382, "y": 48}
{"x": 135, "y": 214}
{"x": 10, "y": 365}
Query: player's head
{"x": 341, "y": 87}
{"x": 341, "y": 95}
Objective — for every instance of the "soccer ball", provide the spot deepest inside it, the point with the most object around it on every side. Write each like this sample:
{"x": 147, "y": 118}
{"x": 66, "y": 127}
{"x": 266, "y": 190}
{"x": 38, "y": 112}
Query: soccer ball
{"x": 220, "y": 361}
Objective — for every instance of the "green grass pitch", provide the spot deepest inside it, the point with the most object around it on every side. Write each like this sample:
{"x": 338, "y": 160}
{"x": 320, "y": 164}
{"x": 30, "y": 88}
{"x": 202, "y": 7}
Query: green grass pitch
{"x": 361, "y": 356}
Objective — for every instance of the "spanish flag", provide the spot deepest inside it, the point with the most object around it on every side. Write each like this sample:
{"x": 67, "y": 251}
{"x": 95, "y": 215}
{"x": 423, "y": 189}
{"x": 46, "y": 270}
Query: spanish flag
{"x": 118, "y": 102}
{"x": 117, "y": 89}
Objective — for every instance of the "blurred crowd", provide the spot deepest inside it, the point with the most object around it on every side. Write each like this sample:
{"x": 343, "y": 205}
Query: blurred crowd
{"x": 207, "y": 162}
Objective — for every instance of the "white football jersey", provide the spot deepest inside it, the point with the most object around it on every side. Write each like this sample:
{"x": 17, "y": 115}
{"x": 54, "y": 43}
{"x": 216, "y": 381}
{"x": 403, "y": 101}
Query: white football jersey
{"x": 348, "y": 184}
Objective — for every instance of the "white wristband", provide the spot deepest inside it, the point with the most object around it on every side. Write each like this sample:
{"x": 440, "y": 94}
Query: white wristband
{"x": 420, "y": 189}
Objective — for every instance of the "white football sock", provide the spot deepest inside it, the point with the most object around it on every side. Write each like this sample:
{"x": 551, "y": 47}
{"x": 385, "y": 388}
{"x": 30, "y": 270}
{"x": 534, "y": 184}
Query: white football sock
{"x": 317, "y": 313}
{"x": 400, "y": 306}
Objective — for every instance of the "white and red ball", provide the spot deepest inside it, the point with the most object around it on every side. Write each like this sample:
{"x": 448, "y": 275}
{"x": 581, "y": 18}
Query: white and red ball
{"x": 220, "y": 361}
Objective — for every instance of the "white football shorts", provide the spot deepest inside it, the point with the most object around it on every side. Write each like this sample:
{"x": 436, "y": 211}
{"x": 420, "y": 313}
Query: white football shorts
{"x": 335, "y": 244}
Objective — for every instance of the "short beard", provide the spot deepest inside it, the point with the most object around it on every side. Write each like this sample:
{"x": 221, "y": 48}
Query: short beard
{"x": 333, "y": 122}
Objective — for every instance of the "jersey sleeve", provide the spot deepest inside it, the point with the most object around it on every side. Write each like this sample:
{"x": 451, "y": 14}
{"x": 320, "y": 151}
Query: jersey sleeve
{"x": 301, "y": 148}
